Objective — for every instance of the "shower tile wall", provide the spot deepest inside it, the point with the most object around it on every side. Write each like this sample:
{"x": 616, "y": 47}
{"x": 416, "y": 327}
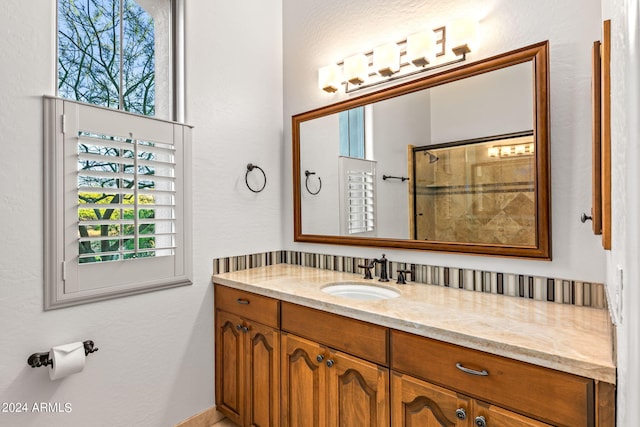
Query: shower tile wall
{"x": 469, "y": 196}
{"x": 558, "y": 290}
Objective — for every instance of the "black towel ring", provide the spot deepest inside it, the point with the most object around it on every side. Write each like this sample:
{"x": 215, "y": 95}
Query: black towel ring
{"x": 251, "y": 167}
{"x": 306, "y": 183}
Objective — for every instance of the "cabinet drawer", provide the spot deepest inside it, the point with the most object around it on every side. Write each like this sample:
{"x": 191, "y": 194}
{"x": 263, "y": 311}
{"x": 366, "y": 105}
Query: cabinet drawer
{"x": 552, "y": 396}
{"x": 352, "y": 336}
{"x": 248, "y": 305}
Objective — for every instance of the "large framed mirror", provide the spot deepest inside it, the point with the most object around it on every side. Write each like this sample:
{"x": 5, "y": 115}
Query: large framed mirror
{"x": 457, "y": 161}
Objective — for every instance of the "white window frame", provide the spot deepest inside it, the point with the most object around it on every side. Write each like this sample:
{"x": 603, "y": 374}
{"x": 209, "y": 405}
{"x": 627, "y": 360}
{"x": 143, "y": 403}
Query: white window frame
{"x": 67, "y": 282}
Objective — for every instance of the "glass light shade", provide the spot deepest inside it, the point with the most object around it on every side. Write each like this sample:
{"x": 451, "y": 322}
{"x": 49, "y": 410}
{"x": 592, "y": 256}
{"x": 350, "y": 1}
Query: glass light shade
{"x": 505, "y": 150}
{"x": 420, "y": 48}
{"x": 493, "y": 152}
{"x": 329, "y": 78}
{"x": 355, "y": 69}
{"x": 520, "y": 149}
{"x": 462, "y": 35}
{"x": 386, "y": 59}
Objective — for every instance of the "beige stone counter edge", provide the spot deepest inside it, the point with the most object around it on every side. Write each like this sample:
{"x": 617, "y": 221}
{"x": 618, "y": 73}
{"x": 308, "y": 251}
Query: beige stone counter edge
{"x": 599, "y": 372}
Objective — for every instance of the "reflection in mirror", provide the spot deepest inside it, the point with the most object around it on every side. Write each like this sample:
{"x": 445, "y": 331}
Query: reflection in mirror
{"x": 456, "y": 162}
{"x": 478, "y": 191}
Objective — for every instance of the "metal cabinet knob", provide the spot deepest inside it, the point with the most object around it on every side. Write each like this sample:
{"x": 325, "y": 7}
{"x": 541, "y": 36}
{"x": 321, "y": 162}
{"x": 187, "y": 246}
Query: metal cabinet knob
{"x": 584, "y": 218}
{"x": 461, "y": 414}
{"x": 330, "y": 363}
{"x": 239, "y": 327}
{"x": 245, "y": 329}
{"x": 319, "y": 358}
{"x": 480, "y": 421}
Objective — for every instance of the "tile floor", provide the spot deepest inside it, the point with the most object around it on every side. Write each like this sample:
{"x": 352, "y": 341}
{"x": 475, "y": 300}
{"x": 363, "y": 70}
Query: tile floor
{"x": 224, "y": 423}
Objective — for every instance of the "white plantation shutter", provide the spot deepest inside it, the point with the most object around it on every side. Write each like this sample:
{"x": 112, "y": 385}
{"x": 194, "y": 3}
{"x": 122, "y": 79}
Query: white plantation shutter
{"x": 360, "y": 206}
{"x": 119, "y": 193}
{"x": 128, "y": 186}
{"x": 357, "y": 196}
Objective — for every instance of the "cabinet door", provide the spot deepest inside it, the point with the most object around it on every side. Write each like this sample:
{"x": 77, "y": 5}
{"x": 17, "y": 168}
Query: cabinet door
{"x": 499, "y": 417}
{"x": 357, "y": 392}
{"x": 263, "y": 376}
{"x": 303, "y": 383}
{"x": 417, "y": 403}
{"x": 230, "y": 378}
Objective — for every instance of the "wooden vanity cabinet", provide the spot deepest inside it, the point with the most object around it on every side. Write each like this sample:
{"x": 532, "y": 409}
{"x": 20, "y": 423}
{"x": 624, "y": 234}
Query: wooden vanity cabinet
{"x": 362, "y": 339}
{"x": 505, "y": 392}
{"x": 417, "y": 403}
{"x": 247, "y": 358}
{"x": 326, "y": 387}
{"x": 304, "y": 383}
{"x": 279, "y": 363}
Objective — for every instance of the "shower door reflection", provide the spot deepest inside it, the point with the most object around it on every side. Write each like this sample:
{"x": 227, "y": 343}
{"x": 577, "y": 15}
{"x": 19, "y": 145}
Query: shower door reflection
{"x": 475, "y": 191}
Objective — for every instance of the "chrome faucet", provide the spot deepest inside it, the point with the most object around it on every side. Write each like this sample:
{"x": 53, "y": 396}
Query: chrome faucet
{"x": 383, "y": 268}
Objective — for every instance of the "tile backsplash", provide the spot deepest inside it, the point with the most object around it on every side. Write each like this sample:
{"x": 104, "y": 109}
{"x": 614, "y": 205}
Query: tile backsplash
{"x": 550, "y": 289}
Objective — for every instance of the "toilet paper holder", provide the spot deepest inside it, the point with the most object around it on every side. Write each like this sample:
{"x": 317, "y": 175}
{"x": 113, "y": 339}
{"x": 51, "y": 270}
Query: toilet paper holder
{"x": 43, "y": 359}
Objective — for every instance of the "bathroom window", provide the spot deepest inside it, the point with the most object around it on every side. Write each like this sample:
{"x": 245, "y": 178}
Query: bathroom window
{"x": 117, "y": 193}
{"x": 120, "y": 54}
{"x": 352, "y": 133}
{"x": 357, "y": 179}
{"x": 117, "y": 203}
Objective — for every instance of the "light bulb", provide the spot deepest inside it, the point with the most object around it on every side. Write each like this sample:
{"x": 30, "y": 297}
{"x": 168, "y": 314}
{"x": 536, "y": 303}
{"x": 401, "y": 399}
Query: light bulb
{"x": 355, "y": 69}
{"x": 420, "y": 48}
{"x": 329, "y": 78}
{"x": 386, "y": 59}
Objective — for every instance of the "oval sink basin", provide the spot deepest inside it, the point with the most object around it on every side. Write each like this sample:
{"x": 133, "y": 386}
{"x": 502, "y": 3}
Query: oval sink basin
{"x": 360, "y": 291}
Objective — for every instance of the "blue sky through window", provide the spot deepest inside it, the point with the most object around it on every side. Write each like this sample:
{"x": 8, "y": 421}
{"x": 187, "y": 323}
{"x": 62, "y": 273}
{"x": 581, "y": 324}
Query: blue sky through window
{"x": 352, "y": 133}
{"x": 106, "y": 57}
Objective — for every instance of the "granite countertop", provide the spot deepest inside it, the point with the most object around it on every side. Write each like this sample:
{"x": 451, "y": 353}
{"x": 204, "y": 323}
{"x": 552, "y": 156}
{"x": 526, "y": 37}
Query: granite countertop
{"x": 572, "y": 339}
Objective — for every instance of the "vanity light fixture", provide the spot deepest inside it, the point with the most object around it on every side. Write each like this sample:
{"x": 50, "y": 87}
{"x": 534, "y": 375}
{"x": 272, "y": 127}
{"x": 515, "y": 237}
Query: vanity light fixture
{"x": 511, "y": 150}
{"x": 386, "y": 59}
{"x": 418, "y": 53}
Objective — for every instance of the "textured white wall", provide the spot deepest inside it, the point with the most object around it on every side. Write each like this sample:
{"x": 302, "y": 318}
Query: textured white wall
{"x": 319, "y": 155}
{"x": 318, "y": 32}
{"x": 155, "y": 363}
{"x": 625, "y": 134}
{"x": 397, "y": 123}
{"x": 489, "y": 104}
{"x": 238, "y": 119}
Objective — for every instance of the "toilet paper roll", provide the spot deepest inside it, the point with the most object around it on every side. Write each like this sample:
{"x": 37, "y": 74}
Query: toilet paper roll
{"x": 67, "y": 359}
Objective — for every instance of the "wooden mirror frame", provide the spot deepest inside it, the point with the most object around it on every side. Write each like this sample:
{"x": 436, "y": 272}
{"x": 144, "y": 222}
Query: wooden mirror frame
{"x": 539, "y": 55}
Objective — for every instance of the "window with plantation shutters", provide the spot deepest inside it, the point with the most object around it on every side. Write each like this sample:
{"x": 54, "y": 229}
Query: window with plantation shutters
{"x": 126, "y": 203}
{"x": 360, "y": 202}
{"x": 357, "y": 196}
{"x": 117, "y": 200}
